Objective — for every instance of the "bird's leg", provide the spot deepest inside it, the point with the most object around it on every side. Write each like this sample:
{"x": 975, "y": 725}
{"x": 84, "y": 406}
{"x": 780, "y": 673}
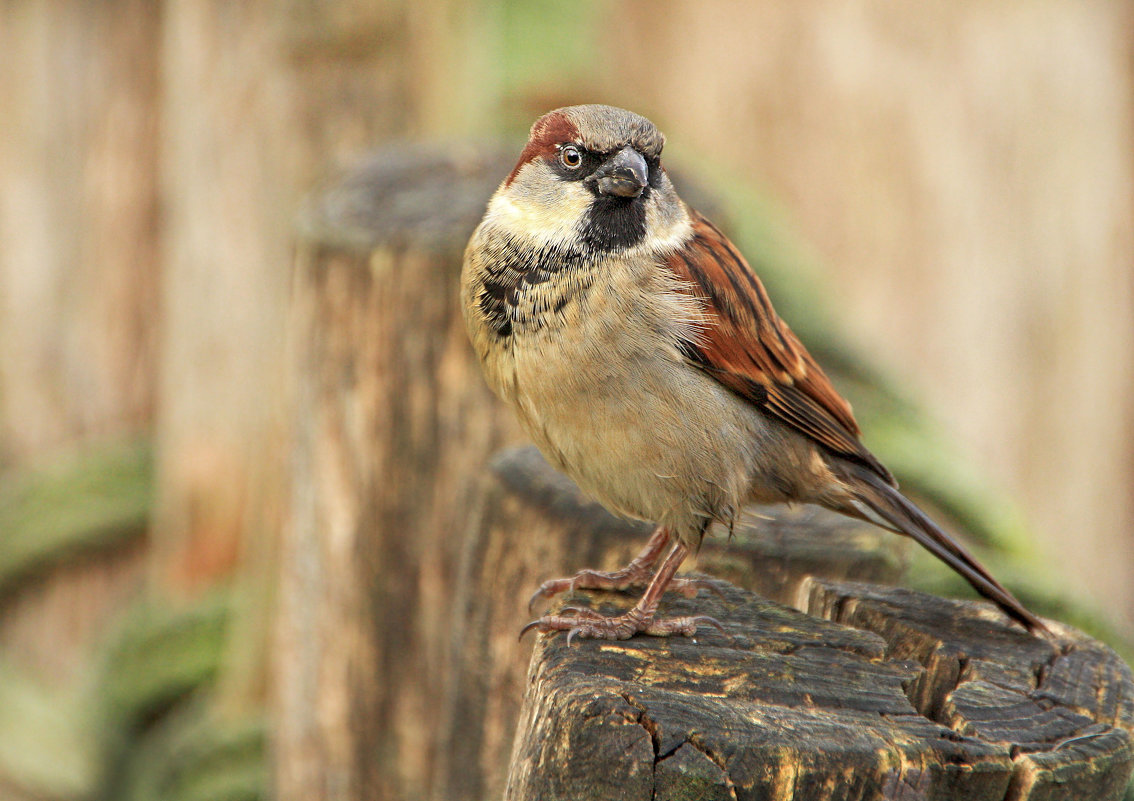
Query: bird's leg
{"x": 641, "y": 618}
{"x": 635, "y": 574}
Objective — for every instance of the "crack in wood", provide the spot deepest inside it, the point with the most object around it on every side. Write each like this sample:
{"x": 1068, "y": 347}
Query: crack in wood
{"x": 887, "y": 688}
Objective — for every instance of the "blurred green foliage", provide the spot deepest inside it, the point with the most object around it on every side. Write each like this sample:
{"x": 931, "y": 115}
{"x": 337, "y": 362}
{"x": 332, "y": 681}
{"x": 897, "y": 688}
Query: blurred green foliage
{"x": 162, "y": 737}
{"x": 138, "y": 723}
{"x": 73, "y": 505}
{"x": 547, "y": 43}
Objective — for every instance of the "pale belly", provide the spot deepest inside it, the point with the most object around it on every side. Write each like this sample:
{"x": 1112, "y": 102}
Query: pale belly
{"x": 638, "y": 430}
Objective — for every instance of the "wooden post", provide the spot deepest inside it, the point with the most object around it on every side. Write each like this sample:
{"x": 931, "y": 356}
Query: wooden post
{"x": 403, "y": 576}
{"x": 533, "y": 523}
{"x": 907, "y": 696}
{"x": 393, "y": 425}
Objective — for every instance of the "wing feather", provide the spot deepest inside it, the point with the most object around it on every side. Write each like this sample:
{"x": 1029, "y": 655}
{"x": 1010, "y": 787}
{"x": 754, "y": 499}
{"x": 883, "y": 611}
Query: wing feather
{"x": 749, "y": 349}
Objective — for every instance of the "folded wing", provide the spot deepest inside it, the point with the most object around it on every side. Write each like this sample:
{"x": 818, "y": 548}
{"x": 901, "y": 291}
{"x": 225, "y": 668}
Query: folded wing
{"x": 749, "y": 349}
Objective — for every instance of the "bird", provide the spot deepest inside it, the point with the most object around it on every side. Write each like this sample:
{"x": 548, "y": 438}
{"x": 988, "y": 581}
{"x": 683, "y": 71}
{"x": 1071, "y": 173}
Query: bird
{"x": 642, "y": 355}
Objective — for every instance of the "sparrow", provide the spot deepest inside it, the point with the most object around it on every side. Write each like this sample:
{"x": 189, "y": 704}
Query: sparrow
{"x": 642, "y": 355}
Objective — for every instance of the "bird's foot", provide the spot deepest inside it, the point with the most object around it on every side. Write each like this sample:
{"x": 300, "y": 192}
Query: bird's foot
{"x": 689, "y": 587}
{"x": 636, "y": 574}
{"x": 590, "y": 624}
{"x": 633, "y": 576}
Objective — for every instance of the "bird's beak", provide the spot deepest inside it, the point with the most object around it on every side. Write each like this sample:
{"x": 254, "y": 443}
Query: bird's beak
{"x": 624, "y": 174}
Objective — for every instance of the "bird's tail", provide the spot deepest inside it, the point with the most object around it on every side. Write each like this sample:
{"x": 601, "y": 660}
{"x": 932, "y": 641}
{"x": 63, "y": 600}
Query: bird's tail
{"x": 900, "y": 514}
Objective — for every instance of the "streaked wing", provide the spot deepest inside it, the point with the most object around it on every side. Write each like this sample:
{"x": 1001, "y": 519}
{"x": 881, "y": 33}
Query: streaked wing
{"x": 750, "y": 350}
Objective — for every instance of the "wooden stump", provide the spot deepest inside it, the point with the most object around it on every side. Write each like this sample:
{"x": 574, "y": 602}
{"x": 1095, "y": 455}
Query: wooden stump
{"x": 392, "y": 426}
{"x": 916, "y": 697}
{"x": 533, "y": 523}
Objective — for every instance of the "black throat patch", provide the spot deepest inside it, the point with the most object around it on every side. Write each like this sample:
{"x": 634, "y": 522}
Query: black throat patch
{"x": 614, "y": 223}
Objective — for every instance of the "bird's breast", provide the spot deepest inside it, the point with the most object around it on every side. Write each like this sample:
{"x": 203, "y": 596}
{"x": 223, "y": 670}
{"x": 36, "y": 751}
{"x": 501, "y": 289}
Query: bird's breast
{"x": 602, "y": 388}
{"x": 522, "y": 289}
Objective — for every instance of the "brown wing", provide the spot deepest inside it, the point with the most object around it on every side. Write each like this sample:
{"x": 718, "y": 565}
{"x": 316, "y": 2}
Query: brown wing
{"x": 750, "y": 350}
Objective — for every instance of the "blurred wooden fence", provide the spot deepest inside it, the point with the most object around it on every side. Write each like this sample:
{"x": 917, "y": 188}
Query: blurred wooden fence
{"x": 964, "y": 171}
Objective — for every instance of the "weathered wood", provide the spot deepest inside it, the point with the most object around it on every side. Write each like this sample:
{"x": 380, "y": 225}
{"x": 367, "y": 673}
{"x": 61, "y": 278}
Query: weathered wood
{"x": 918, "y": 698}
{"x": 259, "y": 100}
{"x": 393, "y": 427}
{"x": 533, "y": 523}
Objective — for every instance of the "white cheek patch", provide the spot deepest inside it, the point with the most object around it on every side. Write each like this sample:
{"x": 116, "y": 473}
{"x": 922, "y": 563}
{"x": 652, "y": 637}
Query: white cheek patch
{"x": 546, "y": 210}
{"x": 668, "y": 232}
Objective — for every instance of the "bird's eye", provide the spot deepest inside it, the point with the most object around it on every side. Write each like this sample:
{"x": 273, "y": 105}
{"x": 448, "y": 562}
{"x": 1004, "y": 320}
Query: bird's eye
{"x": 570, "y": 157}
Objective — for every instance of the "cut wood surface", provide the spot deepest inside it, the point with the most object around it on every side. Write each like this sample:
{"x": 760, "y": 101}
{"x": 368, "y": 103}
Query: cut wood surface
{"x": 532, "y": 524}
{"x": 902, "y": 695}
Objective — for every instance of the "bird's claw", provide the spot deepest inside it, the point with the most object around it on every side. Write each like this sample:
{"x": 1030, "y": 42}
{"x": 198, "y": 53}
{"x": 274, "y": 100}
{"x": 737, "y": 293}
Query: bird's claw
{"x": 589, "y": 624}
{"x": 624, "y": 579}
{"x": 550, "y": 589}
{"x": 533, "y": 624}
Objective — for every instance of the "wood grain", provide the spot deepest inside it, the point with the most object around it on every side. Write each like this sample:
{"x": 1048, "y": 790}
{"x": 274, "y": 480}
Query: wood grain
{"x": 391, "y": 429}
{"x": 533, "y": 523}
{"x": 906, "y": 696}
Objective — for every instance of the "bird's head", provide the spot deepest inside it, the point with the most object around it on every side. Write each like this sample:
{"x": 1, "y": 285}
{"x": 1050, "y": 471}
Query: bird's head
{"x": 591, "y": 177}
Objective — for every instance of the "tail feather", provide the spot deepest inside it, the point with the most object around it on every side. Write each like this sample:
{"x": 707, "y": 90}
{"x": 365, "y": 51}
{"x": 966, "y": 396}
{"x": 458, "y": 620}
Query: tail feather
{"x": 900, "y": 514}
